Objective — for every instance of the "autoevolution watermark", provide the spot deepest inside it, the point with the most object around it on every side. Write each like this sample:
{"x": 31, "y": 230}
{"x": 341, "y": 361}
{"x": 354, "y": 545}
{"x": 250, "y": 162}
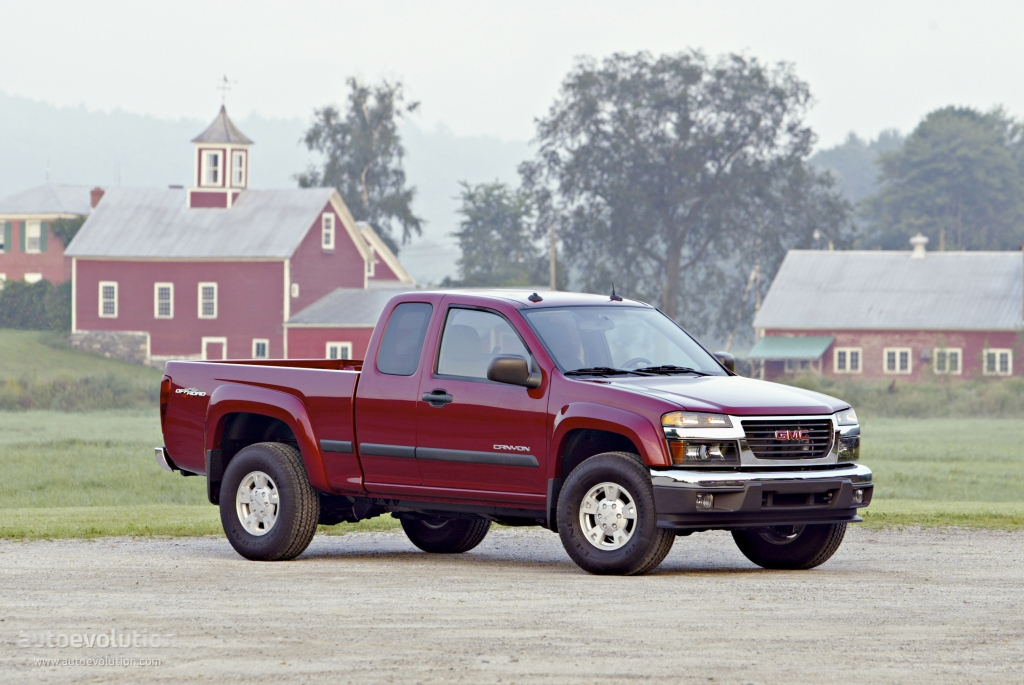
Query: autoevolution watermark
{"x": 98, "y": 661}
{"x": 95, "y": 639}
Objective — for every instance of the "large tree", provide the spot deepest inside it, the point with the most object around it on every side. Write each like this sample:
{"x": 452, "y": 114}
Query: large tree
{"x": 677, "y": 176}
{"x": 363, "y": 158}
{"x": 957, "y": 179}
{"x": 496, "y": 236}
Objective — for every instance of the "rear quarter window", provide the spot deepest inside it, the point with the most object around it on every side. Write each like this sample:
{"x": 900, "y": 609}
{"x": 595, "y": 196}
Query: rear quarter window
{"x": 402, "y": 343}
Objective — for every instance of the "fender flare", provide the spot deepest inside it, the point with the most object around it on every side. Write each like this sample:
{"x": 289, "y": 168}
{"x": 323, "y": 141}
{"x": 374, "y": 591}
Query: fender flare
{"x": 232, "y": 398}
{"x": 649, "y": 441}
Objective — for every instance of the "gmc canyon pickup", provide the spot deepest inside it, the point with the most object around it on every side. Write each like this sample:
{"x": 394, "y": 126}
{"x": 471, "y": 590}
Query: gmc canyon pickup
{"x": 593, "y": 416}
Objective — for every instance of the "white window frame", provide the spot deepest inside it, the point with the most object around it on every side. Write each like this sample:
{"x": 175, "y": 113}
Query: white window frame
{"x": 266, "y": 348}
{"x": 327, "y": 231}
{"x": 104, "y": 284}
{"x": 3, "y": 279}
{"x": 945, "y": 370}
{"x": 998, "y": 352}
{"x": 846, "y": 351}
{"x": 897, "y": 351}
{"x": 343, "y": 350}
{"x": 295, "y": 290}
{"x": 156, "y": 301}
{"x": 33, "y": 277}
{"x": 199, "y": 294}
{"x": 215, "y": 341}
{"x": 238, "y": 169}
{"x": 31, "y": 227}
{"x": 205, "y": 167}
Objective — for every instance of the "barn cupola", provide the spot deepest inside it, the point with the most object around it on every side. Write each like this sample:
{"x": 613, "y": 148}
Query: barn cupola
{"x": 221, "y": 164}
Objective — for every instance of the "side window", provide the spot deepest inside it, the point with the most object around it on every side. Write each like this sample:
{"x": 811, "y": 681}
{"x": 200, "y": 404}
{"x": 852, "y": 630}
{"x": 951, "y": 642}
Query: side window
{"x": 402, "y": 342}
{"x": 471, "y": 339}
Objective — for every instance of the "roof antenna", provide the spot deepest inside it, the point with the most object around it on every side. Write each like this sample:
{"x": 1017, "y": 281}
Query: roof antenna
{"x": 535, "y": 298}
{"x": 614, "y": 297}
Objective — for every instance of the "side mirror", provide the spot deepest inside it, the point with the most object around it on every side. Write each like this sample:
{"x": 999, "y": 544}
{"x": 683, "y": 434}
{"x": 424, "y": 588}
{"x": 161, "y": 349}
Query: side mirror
{"x": 513, "y": 370}
{"x": 727, "y": 360}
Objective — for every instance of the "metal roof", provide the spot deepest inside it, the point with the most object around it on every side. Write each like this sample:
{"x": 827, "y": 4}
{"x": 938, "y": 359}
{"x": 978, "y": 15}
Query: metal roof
{"x": 808, "y": 347}
{"x": 222, "y": 130}
{"x": 155, "y": 223}
{"x": 849, "y": 290}
{"x": 50, "y": 198}
{"x": 346, "y": 307}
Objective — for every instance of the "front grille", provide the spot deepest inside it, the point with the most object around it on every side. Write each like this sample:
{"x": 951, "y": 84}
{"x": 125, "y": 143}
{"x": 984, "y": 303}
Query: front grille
{"x": 765, "y": 440}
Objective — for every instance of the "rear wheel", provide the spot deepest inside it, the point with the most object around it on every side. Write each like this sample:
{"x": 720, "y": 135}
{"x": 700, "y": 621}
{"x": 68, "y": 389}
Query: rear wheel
{"x": 790, "y": 547}
{"x": 606, "y": 517}
{"x": 267, "y": 507}
{"x": 442, "y": 535}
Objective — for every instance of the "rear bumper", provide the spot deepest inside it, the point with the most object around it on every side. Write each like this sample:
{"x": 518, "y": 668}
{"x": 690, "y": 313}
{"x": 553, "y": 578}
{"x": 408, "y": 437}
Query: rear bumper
{"x": 750, "y": 499}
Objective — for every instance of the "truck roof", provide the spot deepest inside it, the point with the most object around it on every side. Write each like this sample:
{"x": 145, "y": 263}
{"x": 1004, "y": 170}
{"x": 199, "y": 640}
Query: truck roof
{"x": 521, "y": 297}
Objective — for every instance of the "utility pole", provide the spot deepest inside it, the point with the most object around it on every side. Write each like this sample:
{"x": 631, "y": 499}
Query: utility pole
{"x": 553, "y": 256}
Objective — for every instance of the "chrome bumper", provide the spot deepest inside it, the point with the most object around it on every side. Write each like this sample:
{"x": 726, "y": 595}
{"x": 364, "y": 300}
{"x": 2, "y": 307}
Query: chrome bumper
{"x": 745, "y": 499}
{"x": 163, "y": 460}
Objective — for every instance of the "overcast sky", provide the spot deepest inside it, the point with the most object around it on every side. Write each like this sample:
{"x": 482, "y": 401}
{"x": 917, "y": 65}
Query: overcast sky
{"x": 489, "y": 68}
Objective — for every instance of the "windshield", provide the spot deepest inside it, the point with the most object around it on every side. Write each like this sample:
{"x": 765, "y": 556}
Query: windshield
{"x": 618, "y": 338}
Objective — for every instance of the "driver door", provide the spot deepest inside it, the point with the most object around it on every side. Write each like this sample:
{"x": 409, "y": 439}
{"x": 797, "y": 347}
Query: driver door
{"x": 480, "y": 439}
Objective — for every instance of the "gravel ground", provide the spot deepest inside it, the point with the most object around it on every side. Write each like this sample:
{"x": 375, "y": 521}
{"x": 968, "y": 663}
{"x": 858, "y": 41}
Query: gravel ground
{"x": 893, "y": 606}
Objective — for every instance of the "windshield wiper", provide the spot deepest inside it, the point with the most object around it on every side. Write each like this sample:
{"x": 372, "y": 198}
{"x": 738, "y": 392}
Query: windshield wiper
{"x": 671, "y": 369}
{"x": 597, "y": 371}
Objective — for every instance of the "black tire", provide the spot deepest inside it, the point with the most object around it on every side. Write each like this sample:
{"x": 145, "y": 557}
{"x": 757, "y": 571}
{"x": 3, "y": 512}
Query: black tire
{"x": 790, "y": 547}
{"x": 647, "y": 545}
{"x": 297, "y": 509}
{"x": 441, "y": 535}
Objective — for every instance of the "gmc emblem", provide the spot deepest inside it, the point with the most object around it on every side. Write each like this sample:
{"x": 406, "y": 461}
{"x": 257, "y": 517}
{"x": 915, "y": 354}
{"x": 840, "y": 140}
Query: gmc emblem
{"x": 801, "y": 435}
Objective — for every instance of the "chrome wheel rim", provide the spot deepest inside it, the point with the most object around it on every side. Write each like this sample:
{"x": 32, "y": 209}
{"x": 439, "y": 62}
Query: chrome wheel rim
{"x": 608, "y": 516}
{"x": 781, "y": 535}
{"x": 257, "y": 503}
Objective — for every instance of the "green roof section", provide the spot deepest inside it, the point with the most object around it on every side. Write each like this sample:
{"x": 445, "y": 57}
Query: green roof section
{"x": 808, "y": 347}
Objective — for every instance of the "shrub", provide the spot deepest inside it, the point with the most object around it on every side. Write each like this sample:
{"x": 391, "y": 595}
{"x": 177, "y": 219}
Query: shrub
{"x": 36, "y": 306}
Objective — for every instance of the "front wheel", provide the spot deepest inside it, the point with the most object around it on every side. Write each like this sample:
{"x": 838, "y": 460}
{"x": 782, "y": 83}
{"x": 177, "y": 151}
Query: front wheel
{"x": 442, "y": 535}
{"x": 790, "y": 547}
{"x": 606, "y": 517}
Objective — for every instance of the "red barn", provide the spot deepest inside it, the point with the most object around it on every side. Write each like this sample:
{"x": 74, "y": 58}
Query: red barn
{"x": 215, "y": 271}
{"x": 891, "y": 314}
{"x": 29, "y": 250}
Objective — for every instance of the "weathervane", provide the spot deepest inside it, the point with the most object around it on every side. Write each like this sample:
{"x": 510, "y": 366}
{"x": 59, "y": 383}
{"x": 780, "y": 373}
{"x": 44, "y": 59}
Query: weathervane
{"x": 224, "y": 87}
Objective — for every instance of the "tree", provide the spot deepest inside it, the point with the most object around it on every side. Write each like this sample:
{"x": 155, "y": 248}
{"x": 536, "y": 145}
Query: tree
{"x": 957, "y": 179}
{"x": 854, "y": 163}
{"x": 67, "y": 229}
{"x": 674, "y": 176}
{"x": 363, "y": 159}
{"x": 496, "y": 238}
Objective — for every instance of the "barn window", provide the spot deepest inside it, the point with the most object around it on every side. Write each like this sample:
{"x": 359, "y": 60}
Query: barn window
{"x": 33, "y": 240}
{"x": 897, "y": 360}
{"x": 948, "y": 360}
{"x": 339, "y": 350}
{"x": 163, "y": 300}
{"x": 212, "y": 165}
{"x": 238, "y": 169}
{"x": 207, "y": 300}
{"x": 32, "y": 277}
{"x": 327, "y": 231}
{"x": 371, "y": 263}
{"x": 108, "y": 299}
{"x": 847, "y": 360}
{"x": 998, "y": 362}
{"x": 260, "y": 348}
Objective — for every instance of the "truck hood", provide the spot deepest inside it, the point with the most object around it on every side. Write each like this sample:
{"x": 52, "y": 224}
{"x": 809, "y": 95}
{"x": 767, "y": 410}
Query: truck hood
{"x": 732, "y": 395}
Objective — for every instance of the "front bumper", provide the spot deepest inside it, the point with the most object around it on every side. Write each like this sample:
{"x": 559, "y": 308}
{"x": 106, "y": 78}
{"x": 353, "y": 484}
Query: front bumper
{"x": 752, "y": 499}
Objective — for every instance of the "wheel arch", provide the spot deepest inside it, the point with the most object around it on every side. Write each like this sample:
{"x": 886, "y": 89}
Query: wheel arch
{"x": 240, "y": 415}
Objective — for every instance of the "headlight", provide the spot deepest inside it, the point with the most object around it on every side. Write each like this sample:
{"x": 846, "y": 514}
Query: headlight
{"x": 704, "y": 453}
{"x": 847, "y": 417}
{"x": 684, "y": 419}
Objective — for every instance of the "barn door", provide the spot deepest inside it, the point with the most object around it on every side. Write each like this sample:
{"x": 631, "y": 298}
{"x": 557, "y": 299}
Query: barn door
{"x": 215, "y": 349}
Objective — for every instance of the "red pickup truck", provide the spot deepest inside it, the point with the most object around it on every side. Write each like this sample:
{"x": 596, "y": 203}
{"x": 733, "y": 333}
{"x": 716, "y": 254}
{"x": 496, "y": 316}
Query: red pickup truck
{"x": 593, "y": 416}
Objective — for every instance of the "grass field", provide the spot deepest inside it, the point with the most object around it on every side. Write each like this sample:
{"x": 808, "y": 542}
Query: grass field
{"x": 93, "y": 474}
{"x": 39, "y": 371}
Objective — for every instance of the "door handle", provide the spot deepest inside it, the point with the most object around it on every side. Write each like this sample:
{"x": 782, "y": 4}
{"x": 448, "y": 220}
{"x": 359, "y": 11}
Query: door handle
{"x": 437, "y": 398}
